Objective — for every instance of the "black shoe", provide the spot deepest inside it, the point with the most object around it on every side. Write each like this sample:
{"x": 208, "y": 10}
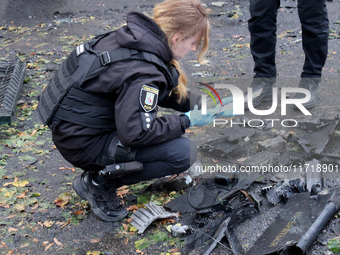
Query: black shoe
{"x": 262, "y": 91}
{"x": 105, "y": 203}
{"x": 312, "y": 85}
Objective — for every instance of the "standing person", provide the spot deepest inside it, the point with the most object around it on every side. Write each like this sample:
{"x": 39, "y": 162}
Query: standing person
{"x": 262, "y": 26}
{"x": 108, "y": 124}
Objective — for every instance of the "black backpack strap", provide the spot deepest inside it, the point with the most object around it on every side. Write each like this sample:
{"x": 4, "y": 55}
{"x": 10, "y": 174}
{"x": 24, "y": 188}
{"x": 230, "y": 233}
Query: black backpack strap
{"x": 105, "y": 58}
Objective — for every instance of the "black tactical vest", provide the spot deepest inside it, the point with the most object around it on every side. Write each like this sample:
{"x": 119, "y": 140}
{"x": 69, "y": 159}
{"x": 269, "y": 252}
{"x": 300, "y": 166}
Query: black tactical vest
{"x": 65, "y": 99}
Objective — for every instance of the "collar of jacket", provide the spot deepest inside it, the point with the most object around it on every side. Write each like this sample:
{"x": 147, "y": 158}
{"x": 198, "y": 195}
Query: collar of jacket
{"x": 142, "y": 33}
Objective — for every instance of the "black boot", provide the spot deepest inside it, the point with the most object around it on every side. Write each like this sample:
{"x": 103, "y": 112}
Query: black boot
{"x": 262, "y": 91}
{"x": 104, "y": 201}
{"x": 312, "y": 85}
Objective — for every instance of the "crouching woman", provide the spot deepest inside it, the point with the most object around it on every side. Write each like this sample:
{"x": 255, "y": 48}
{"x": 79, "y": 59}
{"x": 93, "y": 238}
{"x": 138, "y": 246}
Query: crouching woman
{"x": 106, "y": 122}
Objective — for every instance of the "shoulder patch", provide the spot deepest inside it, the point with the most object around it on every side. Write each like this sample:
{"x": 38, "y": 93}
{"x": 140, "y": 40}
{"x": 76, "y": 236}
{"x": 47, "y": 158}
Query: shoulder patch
{"x": 148, "y": 98}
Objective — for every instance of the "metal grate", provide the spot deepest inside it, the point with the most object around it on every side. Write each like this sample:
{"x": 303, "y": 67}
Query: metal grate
{"x": 11, "y": 79}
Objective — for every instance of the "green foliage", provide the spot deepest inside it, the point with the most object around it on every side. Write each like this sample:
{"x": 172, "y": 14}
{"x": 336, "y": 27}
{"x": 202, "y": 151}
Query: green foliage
{"x": 334, "y": 245}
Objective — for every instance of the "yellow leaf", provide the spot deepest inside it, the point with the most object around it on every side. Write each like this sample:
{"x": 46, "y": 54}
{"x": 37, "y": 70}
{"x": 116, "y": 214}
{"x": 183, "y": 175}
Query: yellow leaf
{"x": 19, "y": 208}
{"x": 12, "y": 229}
{"x": 20, "y": 184}
{"x": 48, "y": 246}
{"x": 42, "y": 44}
{"x": 9, "y": 194}
{"x": 48, "y": 224}
{"x": 57, "y": 242}
{"x": 133, "y": 229}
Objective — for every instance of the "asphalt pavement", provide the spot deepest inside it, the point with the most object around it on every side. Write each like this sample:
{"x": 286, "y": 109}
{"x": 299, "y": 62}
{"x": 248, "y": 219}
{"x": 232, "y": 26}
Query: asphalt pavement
{"x": 42, "y": 33}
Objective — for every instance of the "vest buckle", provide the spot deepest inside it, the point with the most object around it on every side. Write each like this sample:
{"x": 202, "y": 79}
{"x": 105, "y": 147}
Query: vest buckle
{"x": 104, "y": 58}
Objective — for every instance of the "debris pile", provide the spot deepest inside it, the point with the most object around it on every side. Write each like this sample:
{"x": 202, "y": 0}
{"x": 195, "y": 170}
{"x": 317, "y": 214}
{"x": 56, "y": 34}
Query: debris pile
{"x": 248, "y": 170}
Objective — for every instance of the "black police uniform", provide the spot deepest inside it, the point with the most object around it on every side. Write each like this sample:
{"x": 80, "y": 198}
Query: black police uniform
{"x": 262, "y": 27}
{"x": 135, "y": 88}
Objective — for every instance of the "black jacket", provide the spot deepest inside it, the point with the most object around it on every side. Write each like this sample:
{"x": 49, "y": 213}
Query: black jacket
{"x": 127, "y": 84}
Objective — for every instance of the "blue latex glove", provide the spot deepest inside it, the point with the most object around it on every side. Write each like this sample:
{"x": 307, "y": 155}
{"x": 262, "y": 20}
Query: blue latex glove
{"x": 188, "y": 114}
{"x": 197, "y": 119}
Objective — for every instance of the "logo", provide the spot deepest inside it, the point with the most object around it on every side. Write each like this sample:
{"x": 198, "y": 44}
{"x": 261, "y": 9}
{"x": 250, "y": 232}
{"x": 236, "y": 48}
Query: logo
{"x": 237, "y": 102}
{"x": 148, "y": 98}
{"x": 204, "y": 97}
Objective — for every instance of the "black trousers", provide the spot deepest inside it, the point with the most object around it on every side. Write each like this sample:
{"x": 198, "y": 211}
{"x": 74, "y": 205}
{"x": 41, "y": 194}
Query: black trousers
{"x": 168, "y": 158}
{"x": 262, "y": 27}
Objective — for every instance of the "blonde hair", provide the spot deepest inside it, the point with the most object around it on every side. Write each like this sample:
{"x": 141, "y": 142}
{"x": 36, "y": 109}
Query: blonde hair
{"x": 188, "y": 18}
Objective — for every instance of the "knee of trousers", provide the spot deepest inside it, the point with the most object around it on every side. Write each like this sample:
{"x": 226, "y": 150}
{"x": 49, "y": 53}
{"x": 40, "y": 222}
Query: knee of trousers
{"x": 185, "y": 155}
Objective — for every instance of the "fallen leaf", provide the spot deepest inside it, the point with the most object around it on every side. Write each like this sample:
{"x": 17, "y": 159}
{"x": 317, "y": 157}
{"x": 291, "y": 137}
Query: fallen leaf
{"x": 57, "y": 242}
{"x": 133, "y": 229}
{"x": 174, "y": 250}
{"x": 22, "y": 195}
{"x": 48, "y": 224}
{"x": 121, "y": 193}
{"x": 125, "y": 226}
{"x": 19, "y": 208}
{"x": 62, "y": 199}
{"x": 12, "y": 229}
{"x": 17, "y": 183}
{"x": 132, "y": 208}
{"x": 34, "y": 131}
{"x": 69, "y": 221}
{"x": 48, "y": 246}
{"x": 94, "y": 240}
{"x": 9, "y": 217}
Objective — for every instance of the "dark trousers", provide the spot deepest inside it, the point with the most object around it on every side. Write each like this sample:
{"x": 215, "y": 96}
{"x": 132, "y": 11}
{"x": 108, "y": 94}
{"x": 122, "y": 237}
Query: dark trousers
{"x": 168, "y": 158}
{"x": 262, "y": 27}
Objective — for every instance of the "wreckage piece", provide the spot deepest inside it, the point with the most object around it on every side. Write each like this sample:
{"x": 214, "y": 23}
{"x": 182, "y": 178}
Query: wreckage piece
{"x": 328, "y": 212}
{"x": 204, "y": 196}
{"x": 277, "y": 144}
{"x": 236, "y": 132}
{"x": 177, "y": 230}
{"x": 219, "y": 148}
{"x": 283, "y": 191}
{"x": 280, "y": 192}
{"x": 12, "y": 75}
{"x": 237, "y": 216}
{"x": 234, "y": 243}
{"x": 314, "y": 178}
{"x": 313, "y": 124}
{"x": 298, "y": 224}
{"x": 142, "y": 218}
{"x": 256, "y": 163}
{"x": 317, "y": 140}
{"x": 217, "y": 237}
{"x": 201, "y": 234}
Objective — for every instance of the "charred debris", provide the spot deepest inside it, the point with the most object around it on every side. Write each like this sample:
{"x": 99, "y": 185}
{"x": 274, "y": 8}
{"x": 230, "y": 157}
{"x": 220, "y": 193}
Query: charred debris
{"x": 290, "y": 173}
